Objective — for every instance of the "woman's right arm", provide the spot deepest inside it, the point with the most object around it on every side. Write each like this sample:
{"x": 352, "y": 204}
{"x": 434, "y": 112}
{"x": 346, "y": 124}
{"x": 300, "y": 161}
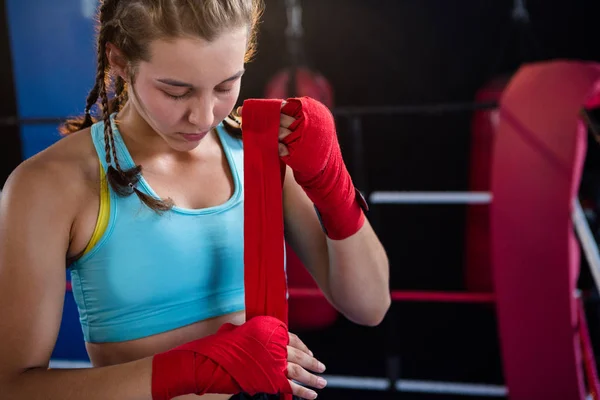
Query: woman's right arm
{"x": 37, "y": 207}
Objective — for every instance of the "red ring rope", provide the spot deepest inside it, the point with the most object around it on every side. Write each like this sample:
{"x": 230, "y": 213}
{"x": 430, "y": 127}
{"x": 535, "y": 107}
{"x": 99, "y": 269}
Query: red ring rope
{"x": 403, "y": 295}
{"x": 400, "y": 295}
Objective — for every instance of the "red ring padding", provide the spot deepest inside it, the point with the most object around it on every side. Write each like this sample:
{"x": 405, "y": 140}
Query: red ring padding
{"x": 538, "y": 158}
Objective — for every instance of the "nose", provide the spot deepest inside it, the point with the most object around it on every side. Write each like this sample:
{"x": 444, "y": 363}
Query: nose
{"x": 201, "y": 114}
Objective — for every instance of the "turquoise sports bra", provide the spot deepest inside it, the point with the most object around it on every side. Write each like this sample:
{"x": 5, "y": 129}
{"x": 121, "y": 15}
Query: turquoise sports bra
{"x": 144, "y": 273}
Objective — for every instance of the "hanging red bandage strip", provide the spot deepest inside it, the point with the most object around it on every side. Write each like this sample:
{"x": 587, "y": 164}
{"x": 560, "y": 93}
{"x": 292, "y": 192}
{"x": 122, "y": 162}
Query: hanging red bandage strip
{"x": 264, "y": 271}
{"x": 264, "y": 274}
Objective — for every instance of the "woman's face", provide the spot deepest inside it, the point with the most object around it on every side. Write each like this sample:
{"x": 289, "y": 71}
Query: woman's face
{"x": 189, "y": 86}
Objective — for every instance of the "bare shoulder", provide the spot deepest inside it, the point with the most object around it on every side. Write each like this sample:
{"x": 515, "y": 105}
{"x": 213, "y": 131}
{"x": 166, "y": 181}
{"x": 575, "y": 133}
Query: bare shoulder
{"x": 58, "y": 175}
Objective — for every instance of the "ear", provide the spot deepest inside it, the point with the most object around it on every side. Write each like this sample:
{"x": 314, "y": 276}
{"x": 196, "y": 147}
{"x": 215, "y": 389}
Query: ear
{"x": 117, "y": 61}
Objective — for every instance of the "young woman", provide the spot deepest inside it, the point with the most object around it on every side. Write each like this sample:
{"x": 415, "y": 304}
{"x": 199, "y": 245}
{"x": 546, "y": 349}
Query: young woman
{"x": 156, "y": 260}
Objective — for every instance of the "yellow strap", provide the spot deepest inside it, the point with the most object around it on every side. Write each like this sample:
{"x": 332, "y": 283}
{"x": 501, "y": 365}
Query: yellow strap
{"x": 103, "y": 213}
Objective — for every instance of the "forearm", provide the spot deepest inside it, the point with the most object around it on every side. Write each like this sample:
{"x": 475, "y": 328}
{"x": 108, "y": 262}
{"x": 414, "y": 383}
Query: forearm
{"x": 359, "y": 276}
{"x": 352, "y": 268}
{"x": 130, "y": 381}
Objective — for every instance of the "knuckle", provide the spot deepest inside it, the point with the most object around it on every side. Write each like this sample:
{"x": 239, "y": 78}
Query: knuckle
{"x": 290, "y": 371}
{"x": 298, "y": 357}
{"x": 314, "y": 364}
{"x": 310, "y": 362}
{"x": 294, "y": 369}
{"x": 303, "y": 359}
{"x": 314, "y": 380}
{"x": 292, "y": 355}
{"x": 299, "y": 391}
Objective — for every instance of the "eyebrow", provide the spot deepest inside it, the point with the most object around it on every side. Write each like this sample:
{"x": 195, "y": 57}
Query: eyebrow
{"x": 176, "y": 83}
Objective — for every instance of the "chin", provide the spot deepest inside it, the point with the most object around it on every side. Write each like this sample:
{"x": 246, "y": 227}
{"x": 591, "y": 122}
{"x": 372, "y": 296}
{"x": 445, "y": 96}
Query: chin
{"x": 183, "y": 146}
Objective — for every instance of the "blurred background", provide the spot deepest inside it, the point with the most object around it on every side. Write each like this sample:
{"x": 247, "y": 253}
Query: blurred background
{"x": 430, "y": 60}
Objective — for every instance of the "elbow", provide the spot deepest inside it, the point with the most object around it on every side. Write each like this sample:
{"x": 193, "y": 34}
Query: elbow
{"x": 377, "y": 307}
{"x": 378, "y": 315}
{"x": 373, "y": 314}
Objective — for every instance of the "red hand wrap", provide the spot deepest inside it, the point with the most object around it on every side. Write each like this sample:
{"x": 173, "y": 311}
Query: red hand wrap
{"x": 316, "y": 159}
{"x": 251, "y": 358}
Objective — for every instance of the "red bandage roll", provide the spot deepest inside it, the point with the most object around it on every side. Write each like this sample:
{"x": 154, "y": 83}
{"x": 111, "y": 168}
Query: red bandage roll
{"x": 264, "y": 274}
{"x": 264, "y": 271}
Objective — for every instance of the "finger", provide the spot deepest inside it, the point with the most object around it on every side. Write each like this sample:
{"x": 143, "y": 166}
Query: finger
{"x": 299, "y": 344}
{"x": 302, "y": 392}
{"x": 283, "y": 132}
{"x": 238, "y": 110}
{"x": 283, "y": 150}
{"x": 302, "y": 376}
{"x": 286, "y": 120}
{"x": 304, "y": 360}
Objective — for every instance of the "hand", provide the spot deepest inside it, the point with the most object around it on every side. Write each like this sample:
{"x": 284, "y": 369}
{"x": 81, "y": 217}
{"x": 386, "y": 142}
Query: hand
{"x": 284, "y": 123}
{"x": 300, "y": 361}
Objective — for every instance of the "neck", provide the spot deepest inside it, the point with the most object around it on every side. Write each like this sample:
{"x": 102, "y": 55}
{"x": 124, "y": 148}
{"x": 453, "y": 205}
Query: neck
{"x": 143, "y": 143}
{"x": 138, "y": 135}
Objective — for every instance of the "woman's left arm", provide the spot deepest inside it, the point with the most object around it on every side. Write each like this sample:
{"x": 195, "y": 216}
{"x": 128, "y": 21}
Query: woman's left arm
{"x": 337, "y": 245}
{"x": 353, "y": 273}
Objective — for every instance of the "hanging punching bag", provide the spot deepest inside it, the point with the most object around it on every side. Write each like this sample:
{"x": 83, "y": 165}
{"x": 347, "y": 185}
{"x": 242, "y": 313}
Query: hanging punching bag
{"x": 478, "y": 274}
{"x": 299, "y": 80}
{"x": 304, "y": 82}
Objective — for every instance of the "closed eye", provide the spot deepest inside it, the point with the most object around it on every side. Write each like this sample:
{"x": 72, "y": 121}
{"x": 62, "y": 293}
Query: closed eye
{"x": 176, "y": 96}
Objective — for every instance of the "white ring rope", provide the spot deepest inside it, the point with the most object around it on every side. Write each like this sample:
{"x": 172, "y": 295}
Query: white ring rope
{"x": 382, "y": 197}
{"x": 588, "y": 243}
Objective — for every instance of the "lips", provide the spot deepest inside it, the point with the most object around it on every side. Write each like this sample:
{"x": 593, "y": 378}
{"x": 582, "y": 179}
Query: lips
{"x": 194, "y": 136}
